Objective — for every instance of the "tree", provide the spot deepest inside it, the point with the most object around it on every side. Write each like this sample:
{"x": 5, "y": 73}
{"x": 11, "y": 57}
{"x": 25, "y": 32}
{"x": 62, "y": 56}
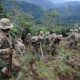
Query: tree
{"x": 51, "y": 18}
{"x": 2, "y": 13}
{"x": 19, "y": 18}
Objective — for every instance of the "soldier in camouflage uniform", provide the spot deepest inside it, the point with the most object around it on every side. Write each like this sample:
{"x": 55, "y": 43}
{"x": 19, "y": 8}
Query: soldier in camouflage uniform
{"x": 35, "y": 44}
{"x": 5, "y": 47}
{"x": 53, "y": 47}
{"x": 28, "y": 40}
{"x": 71, "y": 40}
{"x": 19, "y": 46}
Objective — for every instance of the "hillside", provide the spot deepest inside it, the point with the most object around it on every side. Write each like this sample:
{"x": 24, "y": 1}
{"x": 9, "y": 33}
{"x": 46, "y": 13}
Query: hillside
{"x": 37, "y": 42}
{"x": 45, "y": 4}
{"x": 69, "y": 12}
{"x": 35, "y": 10}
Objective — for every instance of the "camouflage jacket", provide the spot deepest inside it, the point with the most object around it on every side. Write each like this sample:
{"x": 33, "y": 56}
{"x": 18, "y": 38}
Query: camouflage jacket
{"x": 4, "y": 44}
{"x": 4, "y": 58}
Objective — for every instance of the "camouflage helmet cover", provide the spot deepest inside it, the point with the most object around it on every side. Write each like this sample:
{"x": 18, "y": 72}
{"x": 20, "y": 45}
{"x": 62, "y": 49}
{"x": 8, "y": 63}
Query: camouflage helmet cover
{"x": 34, "y": 38}
{"x": 5, "y": 23}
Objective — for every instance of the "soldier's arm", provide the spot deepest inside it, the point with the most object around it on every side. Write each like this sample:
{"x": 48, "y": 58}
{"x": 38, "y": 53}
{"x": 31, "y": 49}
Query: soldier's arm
{"x": 3, "y": 51}
{"x": 7, "y": 51}
{"x": 1, "y": 43}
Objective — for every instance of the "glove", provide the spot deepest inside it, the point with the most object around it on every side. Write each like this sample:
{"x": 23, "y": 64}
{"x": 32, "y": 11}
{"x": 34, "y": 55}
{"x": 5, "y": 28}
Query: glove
{"x": 8, "y": 50}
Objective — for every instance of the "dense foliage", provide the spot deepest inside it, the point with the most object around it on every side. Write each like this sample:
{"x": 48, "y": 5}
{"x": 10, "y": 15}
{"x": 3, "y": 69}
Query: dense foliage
{"x": 30, "y": 18}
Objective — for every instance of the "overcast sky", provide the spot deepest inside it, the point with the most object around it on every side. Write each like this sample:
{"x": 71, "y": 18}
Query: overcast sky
{"x": 62, "y": 0}
{"x": 54, "y": 1}
{"x": 71, "y": 0}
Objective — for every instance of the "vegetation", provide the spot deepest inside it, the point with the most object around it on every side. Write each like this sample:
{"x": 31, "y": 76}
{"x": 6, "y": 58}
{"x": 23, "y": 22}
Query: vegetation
{"x": 2, "y": 12}
{"x": 30, "y": 18}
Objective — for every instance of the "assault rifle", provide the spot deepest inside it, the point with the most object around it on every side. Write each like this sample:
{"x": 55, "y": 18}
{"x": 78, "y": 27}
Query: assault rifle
{"x": 10, "y": 56}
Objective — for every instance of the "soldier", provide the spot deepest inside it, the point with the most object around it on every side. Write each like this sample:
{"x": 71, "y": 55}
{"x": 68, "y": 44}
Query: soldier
{"x": 35, "y": 44}
{"x": 71, "y": 30}
{"x": 76, "y": 31}
{"x": 53, "y": 47}
{"x": 41, "y": 33}
{"x": 79, "y": 30}
{"x": 28, "y": 40}
{"x": 47, "y": 35}
{"x": 72, "y": 41}
{"x": 6, "y": 48}
{"x": 19, "y": 46}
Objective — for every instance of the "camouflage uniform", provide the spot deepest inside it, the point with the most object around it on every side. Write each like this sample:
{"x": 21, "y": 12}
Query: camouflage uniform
{"x": 28, "y": 40}
{"x": 4, "y": 43}
{"x": 6, "y": 47}
{"x": 53, "y": 47}
{"x": 72, "y": 40}
{"x": 19, "y": 47}
{"x": 35, "y": 43}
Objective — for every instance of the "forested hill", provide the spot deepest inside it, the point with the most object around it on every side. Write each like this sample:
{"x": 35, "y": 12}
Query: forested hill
{"x": 35, "y": 10}
{"x": 45, "y": 4}
{"x": 69, "y": 12}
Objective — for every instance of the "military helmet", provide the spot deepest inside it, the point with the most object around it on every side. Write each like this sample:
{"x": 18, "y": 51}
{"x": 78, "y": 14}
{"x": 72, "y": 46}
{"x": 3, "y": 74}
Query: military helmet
{"x": 41, "y": 32}
{"x": 29, "y": 34}
{"x": 5, "y": 23}
{"x": 79, "y": 30}
{"x": 47, "y": 33}
{"x": 76, "y": 30}
{"x": 34, "y": 38}
{"x": 71, "y": 30}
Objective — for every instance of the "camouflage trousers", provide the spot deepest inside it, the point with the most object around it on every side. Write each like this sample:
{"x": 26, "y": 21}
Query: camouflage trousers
{"x": 53, "y": 50}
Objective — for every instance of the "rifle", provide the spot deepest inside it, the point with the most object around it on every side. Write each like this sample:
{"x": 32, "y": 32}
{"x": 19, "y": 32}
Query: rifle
{"x": 10, "y": 56}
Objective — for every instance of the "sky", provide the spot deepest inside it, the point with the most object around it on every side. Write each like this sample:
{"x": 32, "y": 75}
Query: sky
{"x": 55, "y": 1}
{"x": 62, "y": 0}
{"x": 71, "y": 0}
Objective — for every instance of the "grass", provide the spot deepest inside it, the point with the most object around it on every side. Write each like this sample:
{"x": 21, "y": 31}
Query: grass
{"x": 50, "y": 70}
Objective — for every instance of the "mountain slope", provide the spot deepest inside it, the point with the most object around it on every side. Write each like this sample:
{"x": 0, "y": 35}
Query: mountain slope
{"x": 69, "y": 12}
{"x": 35, "y": 10}
{"x": 45, "y": 4}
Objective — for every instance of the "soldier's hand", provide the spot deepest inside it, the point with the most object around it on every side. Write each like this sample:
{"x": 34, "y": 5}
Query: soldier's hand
{"x": 8, "y": 50}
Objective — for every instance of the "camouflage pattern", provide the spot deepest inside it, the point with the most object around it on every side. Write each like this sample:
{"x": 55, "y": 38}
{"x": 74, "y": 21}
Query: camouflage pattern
{"x": 79, "y": 30}
{"x": 53, "y": 47}
{"x": 4, "y": 56}
{"x": 73, "y": 39}
{"x": 71, "y": 30}
{"x": 36, "y": 40}
{"x": 28, "y": 40}
{"x": 19, "y": 47}
{"x": 41, "y": 33}
{"x": 53, "y": 37}
{"x": 3, "y": 45}
{"x": 6, "y": 48}
{"x": 5, "y": 23}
